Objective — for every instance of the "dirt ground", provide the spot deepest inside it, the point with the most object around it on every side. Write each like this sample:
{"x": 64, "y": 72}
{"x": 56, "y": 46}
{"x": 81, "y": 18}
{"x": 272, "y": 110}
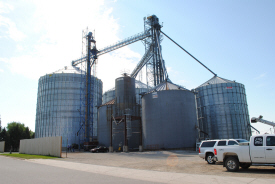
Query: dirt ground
{"x": 168, "y": 161}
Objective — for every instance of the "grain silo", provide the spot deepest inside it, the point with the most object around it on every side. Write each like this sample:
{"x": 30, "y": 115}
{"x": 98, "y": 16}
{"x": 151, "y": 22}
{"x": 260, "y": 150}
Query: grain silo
{"x": 59, "y": 98}
{"x": 109, "y": 95}
{"x": 139, "y": 88}
{"x": 119, "y": 122}
{"x": 222, "y": 109}
{"x": 169, "y": 118}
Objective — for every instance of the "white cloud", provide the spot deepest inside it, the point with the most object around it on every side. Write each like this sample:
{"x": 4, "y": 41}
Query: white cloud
{"x": 8, "y": 27}
{"x": 261, "y": 76}
{"x": 11, "y": 30}
{"x": 1, "y": 70}
{"x": 169, "y": 69}
{"x": 111, "y": 66}
{"x": 59, "y": 41}
{"x": 5, "y": 7}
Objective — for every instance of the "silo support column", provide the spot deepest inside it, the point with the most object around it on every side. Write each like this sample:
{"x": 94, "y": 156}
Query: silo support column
{"x": 125, "y": 147}
{"x": 111, "y": 149}
{"x": 140, "y": 143}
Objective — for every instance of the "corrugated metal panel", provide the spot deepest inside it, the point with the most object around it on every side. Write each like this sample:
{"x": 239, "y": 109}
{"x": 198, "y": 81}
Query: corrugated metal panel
{"x": 111, "y": 102}
{"x": 222, "y": 109}
{"x": 216, "y": 80}
{"x": 104, "y": 129}
{"x": 125, "y": 94}
{"x": 70, "y": 69}
{"x": 140, "y": 88}
{"x": 168, "y": 85}
{"x": 169, "y": 119}
{"x": 58, "y": 104}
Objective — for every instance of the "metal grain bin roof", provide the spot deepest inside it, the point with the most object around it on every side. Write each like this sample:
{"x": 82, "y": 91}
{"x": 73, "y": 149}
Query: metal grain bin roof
{"x": 70, "y": 69}
{"x": 111, "y": 102}
{"x": 168, "y": 85}
{"x": 216, "y": 80}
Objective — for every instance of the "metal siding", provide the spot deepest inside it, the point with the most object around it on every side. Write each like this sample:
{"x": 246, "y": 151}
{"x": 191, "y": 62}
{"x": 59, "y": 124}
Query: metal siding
{"x": 139, "y": 88}
{"x": 169, "y": 120}
{"x": 223, "y": 111}
{"x": 125, "y": 94}
{"x": 104, "y": 129}
{"x": 125, "y": 98}
{"x": 108, "y": 96}
{"x": 58, "y": 101}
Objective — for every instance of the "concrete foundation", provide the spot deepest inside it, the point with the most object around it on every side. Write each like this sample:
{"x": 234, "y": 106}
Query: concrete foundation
{"x": 140, "y": 148}
{"x": 111, "y": 149}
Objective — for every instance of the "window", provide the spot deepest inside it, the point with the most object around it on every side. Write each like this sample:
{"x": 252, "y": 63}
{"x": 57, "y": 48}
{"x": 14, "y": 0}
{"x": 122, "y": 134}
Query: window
{"x": 241, "y": 140}
{"x": 208, "y": 144}
{"x": 258, "y": 141}
{"x": 270, "y": 140}
{"x": 232, "y": 143}
{"x": 222, "y": 143}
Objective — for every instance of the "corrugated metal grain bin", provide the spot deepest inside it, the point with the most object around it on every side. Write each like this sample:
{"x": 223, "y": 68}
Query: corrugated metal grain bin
{"x": 169, "y": 118}
{"x": 59, "y": 99}
{"x": 222, "y": 109}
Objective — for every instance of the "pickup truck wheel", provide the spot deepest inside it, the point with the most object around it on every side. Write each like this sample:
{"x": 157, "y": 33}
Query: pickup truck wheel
{"x": 210, "y": 158}
{"x": 232, "y": 164}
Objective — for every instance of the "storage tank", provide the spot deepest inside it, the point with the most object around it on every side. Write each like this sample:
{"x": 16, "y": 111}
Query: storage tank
{"x": 125, "y": 96}
{"x": 169, "y": 118}
{"x": 115, "y": 114}
{"x": 222, "y": 109}
{"x": 109, "y": 95}
{"x": 139, "y": 88}
{"x": 105, "y": 113}
{"x": 59, "y": 100}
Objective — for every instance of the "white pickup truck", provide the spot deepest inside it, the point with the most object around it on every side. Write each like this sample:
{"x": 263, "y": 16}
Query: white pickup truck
{"x": 260, "y": 151}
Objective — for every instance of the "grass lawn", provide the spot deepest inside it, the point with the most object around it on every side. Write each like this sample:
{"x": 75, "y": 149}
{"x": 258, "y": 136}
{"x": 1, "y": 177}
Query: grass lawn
{"x": 27, "y": 156}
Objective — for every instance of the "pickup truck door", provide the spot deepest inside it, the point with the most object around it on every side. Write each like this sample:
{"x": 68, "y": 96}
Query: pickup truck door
{"x": 270, "y": 149}
{"x": 257, "y": 150}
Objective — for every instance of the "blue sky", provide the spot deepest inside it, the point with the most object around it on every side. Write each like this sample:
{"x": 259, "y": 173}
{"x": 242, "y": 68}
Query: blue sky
{"x": 235, "y": 39}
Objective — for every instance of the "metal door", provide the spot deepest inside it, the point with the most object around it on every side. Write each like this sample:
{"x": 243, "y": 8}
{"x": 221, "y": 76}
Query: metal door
{"x": 257, "y": 150}
{"x": 270, "y": 149}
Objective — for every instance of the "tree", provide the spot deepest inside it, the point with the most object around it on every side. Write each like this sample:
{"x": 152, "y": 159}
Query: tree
{"x": 32, "y": 135}
{"x": 27, "y": 133}
{"x": 4, "y": 136}
{"x": 16, "y": 132}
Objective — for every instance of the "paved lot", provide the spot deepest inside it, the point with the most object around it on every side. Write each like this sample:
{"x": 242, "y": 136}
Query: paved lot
{"x": 177, "y": 161}
{"x": 18, "y": 171}
{"x": 173, "y": 167}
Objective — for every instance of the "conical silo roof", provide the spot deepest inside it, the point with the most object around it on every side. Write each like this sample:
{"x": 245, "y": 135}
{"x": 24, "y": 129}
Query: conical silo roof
{"x": 70, "y": 69}
{"x": 168, "y": 85}
{"x": 140, "y": 84}
{"x": 216, "y": 80}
